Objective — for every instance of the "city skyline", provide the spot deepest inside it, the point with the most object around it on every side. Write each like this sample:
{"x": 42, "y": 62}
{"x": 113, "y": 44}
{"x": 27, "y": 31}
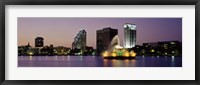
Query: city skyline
{"x": 62, "y": 31}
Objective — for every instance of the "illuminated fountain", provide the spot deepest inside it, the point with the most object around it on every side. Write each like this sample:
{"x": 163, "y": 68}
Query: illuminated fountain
{"x": 115, "y": 51}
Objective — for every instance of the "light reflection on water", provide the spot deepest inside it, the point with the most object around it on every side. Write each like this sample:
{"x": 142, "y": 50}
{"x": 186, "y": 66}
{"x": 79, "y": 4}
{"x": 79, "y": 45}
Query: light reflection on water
{"x": 93, "y": 61}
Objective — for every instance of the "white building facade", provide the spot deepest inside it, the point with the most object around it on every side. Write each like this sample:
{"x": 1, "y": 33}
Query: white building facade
{"x": 129, "y": 35}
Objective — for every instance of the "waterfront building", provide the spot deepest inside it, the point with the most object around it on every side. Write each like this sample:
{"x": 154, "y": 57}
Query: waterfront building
{"x": 129, "y": 35}
{"x": 39, "y": 42}
{"x": 80, "y": 40}
{"x": 162, "y": 48}
{"x": 33, "y": 51}
{"x": 104, "y": 38}
{"x": 151, "y": 44}
{"x": 61, "y": 50}
{"x": 170, "y": 48}
{"x": 89, "y": 51}
{"x": 22, "y": 50}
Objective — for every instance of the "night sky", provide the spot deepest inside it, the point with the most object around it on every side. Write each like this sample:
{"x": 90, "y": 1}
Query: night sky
{"x": 61, "y": 31}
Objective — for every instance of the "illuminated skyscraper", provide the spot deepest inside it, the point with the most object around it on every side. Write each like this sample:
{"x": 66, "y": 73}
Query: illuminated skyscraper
{"x": 129, "y": 35}
{"x": 80, "y": 40}
{"x": 39, "y": 42}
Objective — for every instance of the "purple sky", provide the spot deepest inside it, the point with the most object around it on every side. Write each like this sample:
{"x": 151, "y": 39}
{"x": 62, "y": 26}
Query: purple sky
{"x": 61, "y": 31}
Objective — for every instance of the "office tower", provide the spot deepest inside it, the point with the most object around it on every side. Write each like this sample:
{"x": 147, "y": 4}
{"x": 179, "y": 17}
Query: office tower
{"x": 39, "y": 42}
{"x": 129, "y": 35}
{"x": 80, "y": 40}
{"x": 104, "y": 38}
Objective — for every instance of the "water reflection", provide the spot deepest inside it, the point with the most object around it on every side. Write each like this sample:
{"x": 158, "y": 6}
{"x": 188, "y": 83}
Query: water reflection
{"x": 173, "y": 61}
{"x": 172, "y": 58}
{"x": 56, "y": 58}
{"x": 68, "y": 57}
{"x": 30, "y": 57}
{"x": 118, "y": 63}
{"x": 105, "y": 61}
{"x": 93, "y": 61}
{"x": 81, "y": 58}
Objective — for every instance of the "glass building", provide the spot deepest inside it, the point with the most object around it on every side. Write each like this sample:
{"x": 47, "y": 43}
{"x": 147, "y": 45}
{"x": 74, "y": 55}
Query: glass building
{"x": 129, "y": 35}
{"x": 39, "y": 42}
{"x": 80, "y": 40}
{"x": 104, "y": 38}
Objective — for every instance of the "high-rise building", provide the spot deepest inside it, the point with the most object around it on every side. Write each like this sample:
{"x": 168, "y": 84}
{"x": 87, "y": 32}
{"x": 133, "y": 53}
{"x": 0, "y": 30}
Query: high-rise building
{"x": 39, "y": 42}
{"x": 80, "y": 40}
{"x": 129, "y": 35}
{"x": 104, "y": 38}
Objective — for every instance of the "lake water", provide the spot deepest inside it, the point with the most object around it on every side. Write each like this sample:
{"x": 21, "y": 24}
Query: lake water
{"x": 93, "y": 61}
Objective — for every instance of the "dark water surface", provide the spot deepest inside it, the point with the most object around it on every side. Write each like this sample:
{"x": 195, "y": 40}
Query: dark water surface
{"x": 93, "y": 61}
